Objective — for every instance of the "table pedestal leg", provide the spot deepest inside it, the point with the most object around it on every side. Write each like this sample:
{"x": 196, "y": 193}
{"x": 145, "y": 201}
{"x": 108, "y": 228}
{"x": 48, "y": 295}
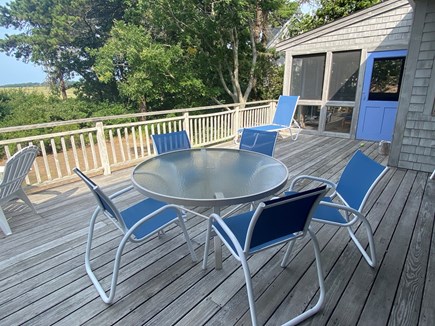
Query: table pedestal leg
{"x": 217, "y": 246}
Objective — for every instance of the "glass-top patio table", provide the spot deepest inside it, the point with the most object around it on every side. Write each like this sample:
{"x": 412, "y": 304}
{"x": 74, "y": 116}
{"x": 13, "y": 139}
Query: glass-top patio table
{"x": 212, "y": 177}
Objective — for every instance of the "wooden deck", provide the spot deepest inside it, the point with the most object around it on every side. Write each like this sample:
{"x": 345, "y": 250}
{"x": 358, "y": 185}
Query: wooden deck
{"x": 43, "y": 279}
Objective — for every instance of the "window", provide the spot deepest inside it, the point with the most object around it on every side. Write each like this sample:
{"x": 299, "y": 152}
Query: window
{"x": 344, "y": 76}
{"x": 308, "y": 116}
{"x": 386, "y": 79}
{"x": 338, "y": 119}
{"x": 307, "y": 76}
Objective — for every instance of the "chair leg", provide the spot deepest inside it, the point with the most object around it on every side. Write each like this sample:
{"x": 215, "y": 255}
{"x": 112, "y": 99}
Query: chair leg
{"x": 4, "y": 225}
{"x": 321, "y": 301}
{"x": 249, "y": 290}
{"x": 285, "y": 259}
{"x": 298, "y": 131}
{"x": 207, "y": 244}
{"x": 106, "y": 298}
{"x": 370, "y": 259}
{"x": 188, "y": 241}
{"x": 22, "y": 195}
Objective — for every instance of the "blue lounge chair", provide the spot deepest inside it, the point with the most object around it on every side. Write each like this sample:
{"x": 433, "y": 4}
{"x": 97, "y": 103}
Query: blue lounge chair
{"x": 171, "y": 141}
{"x": 137, "y": 223}
{"x": 283, "y": 118}
{"x": 344, "y": 207}
{"x": 274, "y": 222}
{"x": 258, "y": 141}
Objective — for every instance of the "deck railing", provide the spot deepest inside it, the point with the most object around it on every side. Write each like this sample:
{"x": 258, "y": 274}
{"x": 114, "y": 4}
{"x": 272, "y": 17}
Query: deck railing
{"x": 103, "y": 144}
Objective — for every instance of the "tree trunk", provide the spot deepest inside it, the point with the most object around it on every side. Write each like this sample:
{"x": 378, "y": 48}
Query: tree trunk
{"x": 62, "y": 87}
{"x": 142, "y": 108}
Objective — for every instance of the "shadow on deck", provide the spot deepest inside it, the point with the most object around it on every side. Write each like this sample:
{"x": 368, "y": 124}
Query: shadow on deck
{"x": 43, "y": 279}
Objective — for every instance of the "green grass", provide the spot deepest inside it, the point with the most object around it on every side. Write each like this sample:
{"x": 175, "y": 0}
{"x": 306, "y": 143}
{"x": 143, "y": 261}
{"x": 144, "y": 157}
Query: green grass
{"x": 38, "y": 89}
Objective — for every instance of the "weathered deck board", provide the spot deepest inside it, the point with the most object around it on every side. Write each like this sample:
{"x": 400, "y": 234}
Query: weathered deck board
{"x": 43, "y": 280}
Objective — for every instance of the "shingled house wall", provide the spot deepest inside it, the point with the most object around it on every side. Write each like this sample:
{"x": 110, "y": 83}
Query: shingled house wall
{"x": 413, "y": 145}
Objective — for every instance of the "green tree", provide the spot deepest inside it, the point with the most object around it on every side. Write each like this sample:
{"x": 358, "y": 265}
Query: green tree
{"x": 226, "y": 39}
{"x": 145, "y": 71}
{"x": 58, "y": 34}
{"x": 327, "y": 11}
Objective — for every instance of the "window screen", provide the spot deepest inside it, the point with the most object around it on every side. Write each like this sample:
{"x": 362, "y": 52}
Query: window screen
{"x": 344, "y": 76}
{"x": 307, "y": 76}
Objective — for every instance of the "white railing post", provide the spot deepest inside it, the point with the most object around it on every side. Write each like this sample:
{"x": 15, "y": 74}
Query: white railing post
{"x": 186, "y": 123}
{"x": 102, "y": 148}
{"x": 236, "y": 121}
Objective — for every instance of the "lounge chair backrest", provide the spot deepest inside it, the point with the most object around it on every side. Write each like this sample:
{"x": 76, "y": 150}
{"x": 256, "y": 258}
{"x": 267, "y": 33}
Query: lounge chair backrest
{"x": 16, "y": 169}
{"x": 358, "y": 179}
{"x": 171, "y": 141}
{"x": 285, "y": 110}
{"x": 282, "y": 218}
{"x": 258, "y": 141}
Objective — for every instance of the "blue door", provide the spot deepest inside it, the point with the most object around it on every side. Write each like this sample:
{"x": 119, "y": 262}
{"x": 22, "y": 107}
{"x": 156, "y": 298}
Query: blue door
{"x": 379, "y": 101}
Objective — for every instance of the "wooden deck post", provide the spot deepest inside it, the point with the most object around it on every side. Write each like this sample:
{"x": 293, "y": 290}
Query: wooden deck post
{"x": 236, "y": 121}
{"x": 102, "y": 148}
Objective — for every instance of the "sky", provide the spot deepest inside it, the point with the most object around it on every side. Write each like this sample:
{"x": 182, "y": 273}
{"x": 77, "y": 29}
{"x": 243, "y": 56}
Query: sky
{"x": 13, "y": 71}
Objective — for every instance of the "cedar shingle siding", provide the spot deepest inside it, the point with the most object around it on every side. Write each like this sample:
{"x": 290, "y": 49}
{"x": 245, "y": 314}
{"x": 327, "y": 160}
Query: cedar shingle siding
{"x": 414, "y": 138}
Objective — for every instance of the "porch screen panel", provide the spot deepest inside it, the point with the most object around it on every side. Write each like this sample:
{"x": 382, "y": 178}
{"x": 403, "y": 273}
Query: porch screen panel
{"x": 307, "y": 76}
{"x": 344, "y": 76}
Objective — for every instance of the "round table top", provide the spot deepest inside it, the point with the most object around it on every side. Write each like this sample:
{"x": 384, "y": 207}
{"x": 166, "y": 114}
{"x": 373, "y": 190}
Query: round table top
{"x": 210, "y": 177}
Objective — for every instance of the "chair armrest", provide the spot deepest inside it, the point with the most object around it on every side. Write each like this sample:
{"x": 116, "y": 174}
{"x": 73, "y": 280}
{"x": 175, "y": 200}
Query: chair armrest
{"x": 230, "y": 234}
{"x": 121, "y": 192}
{"x": 346, "y": 208}
{"x": 331, "y": 184}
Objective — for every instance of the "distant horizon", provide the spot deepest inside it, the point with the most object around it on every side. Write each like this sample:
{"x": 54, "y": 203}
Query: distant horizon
{"x": 25, "y": 84}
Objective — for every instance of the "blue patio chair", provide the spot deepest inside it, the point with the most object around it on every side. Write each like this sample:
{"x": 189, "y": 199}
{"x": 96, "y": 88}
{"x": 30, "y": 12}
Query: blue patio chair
{"x": 171, "y": 141}
{"x": 345, "y": 206}
{"x": 258, "y": 141}
{"x": 262, "y": 142}
{"x": 137, "y": 223}
{"x": 273, "y": 223}
{"x": 283, "y": 118}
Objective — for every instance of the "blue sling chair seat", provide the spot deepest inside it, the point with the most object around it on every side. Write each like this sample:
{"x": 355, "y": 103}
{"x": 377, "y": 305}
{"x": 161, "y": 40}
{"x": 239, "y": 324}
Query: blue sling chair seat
{"x": 283, "y": 118}
{"x": 344, "y": 207}
{"x": 273, "y": 222}
{"x": 137, "y": 223}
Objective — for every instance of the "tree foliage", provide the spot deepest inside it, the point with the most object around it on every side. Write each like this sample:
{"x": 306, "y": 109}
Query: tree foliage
{"x": 225, "y": 39}
{"x": 58, "y": 35}
{"x": 144, "y": 70}
{"x": 18, "y": 107}
{"x": 327, "y": 11}
{"x": 161, "y": 53}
